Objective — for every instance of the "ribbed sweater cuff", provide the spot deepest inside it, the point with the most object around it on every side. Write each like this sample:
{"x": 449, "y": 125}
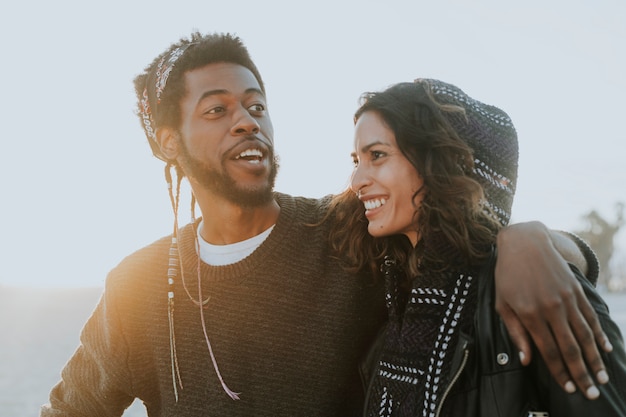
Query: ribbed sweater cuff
{"x": 593, "y": 265}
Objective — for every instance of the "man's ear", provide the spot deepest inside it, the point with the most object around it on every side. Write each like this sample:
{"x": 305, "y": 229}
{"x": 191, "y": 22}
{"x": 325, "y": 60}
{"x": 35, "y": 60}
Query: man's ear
{"x": 167, "y": 138}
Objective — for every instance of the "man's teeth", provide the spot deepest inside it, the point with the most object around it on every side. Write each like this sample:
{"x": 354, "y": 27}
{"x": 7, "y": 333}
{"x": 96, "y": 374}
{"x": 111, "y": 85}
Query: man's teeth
{"x": 250, "y": 153}
{"x": 372, "y": 204}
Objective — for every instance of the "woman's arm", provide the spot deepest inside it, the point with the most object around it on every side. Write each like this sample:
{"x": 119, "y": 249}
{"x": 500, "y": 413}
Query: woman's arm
{"x": 537, "y": 295}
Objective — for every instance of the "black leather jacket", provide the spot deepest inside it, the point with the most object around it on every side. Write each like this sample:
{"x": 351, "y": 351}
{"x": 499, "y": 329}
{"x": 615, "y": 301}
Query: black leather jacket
{"x": 488, "y": 380}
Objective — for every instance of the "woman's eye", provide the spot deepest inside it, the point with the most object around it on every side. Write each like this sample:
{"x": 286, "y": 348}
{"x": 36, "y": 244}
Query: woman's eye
{"x": 355, "y": 161}
{"x": 376, "y": 155}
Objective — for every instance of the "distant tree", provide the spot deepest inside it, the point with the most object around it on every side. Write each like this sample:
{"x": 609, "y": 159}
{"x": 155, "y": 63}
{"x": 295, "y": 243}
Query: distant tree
{"x": 600, "y": 234}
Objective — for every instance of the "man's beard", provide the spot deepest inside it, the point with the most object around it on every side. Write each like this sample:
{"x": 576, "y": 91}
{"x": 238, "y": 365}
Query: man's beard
{"x": 220, "y": 183}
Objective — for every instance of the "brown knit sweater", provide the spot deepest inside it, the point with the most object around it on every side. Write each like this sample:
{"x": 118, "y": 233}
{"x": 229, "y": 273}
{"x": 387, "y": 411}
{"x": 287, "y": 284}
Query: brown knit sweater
{"x": 288, "y": 327}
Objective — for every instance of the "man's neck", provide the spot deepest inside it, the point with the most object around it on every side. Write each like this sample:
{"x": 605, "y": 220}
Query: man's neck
{"x": 224, "y": 223}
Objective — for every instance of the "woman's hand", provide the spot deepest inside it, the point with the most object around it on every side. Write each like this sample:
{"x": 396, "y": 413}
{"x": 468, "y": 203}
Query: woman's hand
{"x": 538, "y": 295}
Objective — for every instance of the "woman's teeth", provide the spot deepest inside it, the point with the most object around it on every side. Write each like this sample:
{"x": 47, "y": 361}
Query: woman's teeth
{"x": 372, "y": 204}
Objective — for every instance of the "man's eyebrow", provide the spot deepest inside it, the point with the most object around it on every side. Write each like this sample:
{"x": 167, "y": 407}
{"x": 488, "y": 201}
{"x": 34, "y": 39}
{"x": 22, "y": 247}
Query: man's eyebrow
{"x": 221, "y": 91}
{"x": 255, "y": 90}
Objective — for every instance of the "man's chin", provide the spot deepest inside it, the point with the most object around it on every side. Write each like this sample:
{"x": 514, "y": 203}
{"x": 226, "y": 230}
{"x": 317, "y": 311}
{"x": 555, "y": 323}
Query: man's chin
{"x": 250, "y": 193}
{"x": 247, "y": 196}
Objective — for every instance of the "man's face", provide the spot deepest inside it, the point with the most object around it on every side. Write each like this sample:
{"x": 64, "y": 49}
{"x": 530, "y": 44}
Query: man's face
{"x": 226, "y": 135}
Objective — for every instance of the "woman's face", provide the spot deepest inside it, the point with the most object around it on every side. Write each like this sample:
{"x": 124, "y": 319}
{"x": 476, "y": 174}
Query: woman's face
{"x": 384, "y": 179}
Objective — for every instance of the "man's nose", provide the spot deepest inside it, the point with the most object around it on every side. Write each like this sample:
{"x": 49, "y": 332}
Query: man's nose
{"x": 245, "y": 124}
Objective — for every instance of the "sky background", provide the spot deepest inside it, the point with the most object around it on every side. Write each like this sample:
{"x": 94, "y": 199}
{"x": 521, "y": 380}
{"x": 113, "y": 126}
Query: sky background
{"x": 81, "y": 190}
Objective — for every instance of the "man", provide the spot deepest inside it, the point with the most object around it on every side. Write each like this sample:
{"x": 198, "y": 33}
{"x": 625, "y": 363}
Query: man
{"x": 265, "y": 321}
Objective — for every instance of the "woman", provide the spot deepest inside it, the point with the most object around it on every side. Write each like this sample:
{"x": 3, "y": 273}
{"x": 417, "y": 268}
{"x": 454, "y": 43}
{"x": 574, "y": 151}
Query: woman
{"x": 436, "y": 173}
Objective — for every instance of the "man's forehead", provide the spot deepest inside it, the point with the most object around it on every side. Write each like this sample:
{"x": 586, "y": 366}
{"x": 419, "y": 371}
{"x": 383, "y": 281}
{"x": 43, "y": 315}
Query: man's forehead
{"x": 221, "y": 77}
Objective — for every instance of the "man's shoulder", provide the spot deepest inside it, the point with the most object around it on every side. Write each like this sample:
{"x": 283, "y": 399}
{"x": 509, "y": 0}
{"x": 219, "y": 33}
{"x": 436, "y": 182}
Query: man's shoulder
{"x": 150, "y": 259}
{"x": 152, "y": 250}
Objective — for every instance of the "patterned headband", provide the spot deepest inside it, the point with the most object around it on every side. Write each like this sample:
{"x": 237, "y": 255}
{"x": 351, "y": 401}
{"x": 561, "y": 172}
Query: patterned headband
{"x": 163, "y": 70}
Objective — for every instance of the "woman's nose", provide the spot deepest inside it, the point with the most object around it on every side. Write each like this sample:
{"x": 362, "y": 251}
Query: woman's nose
{"x": 358, "y": 180}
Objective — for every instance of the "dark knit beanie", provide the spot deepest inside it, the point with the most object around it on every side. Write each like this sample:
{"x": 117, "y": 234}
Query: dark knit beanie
{"x": 491, "y": 135}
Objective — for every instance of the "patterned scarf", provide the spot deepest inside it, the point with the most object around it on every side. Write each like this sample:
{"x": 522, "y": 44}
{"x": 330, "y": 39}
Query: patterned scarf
{"x": 421, "y": 337}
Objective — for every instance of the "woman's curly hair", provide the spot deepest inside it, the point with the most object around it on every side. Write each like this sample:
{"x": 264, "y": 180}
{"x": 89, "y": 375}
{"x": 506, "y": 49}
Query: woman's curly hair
{"x": 454, "y": 224}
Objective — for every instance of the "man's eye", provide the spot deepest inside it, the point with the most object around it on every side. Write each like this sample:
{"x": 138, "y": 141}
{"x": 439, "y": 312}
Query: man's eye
{"x": 214, "y": 110}
{"x": 257, "y": 108}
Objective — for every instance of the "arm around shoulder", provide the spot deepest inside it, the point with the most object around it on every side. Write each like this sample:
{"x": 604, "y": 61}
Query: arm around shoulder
{"x": 541, "y": 301}
{"x": 612, "y": 399}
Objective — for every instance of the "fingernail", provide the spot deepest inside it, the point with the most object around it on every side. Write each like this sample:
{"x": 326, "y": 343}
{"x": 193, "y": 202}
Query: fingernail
{"x": 608, "y": 346}
{"x": 603, "y": 377}
{"x": 593, "y": 392}
{"x": 570, "y": 387}
{"x": 522, "y": 356}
